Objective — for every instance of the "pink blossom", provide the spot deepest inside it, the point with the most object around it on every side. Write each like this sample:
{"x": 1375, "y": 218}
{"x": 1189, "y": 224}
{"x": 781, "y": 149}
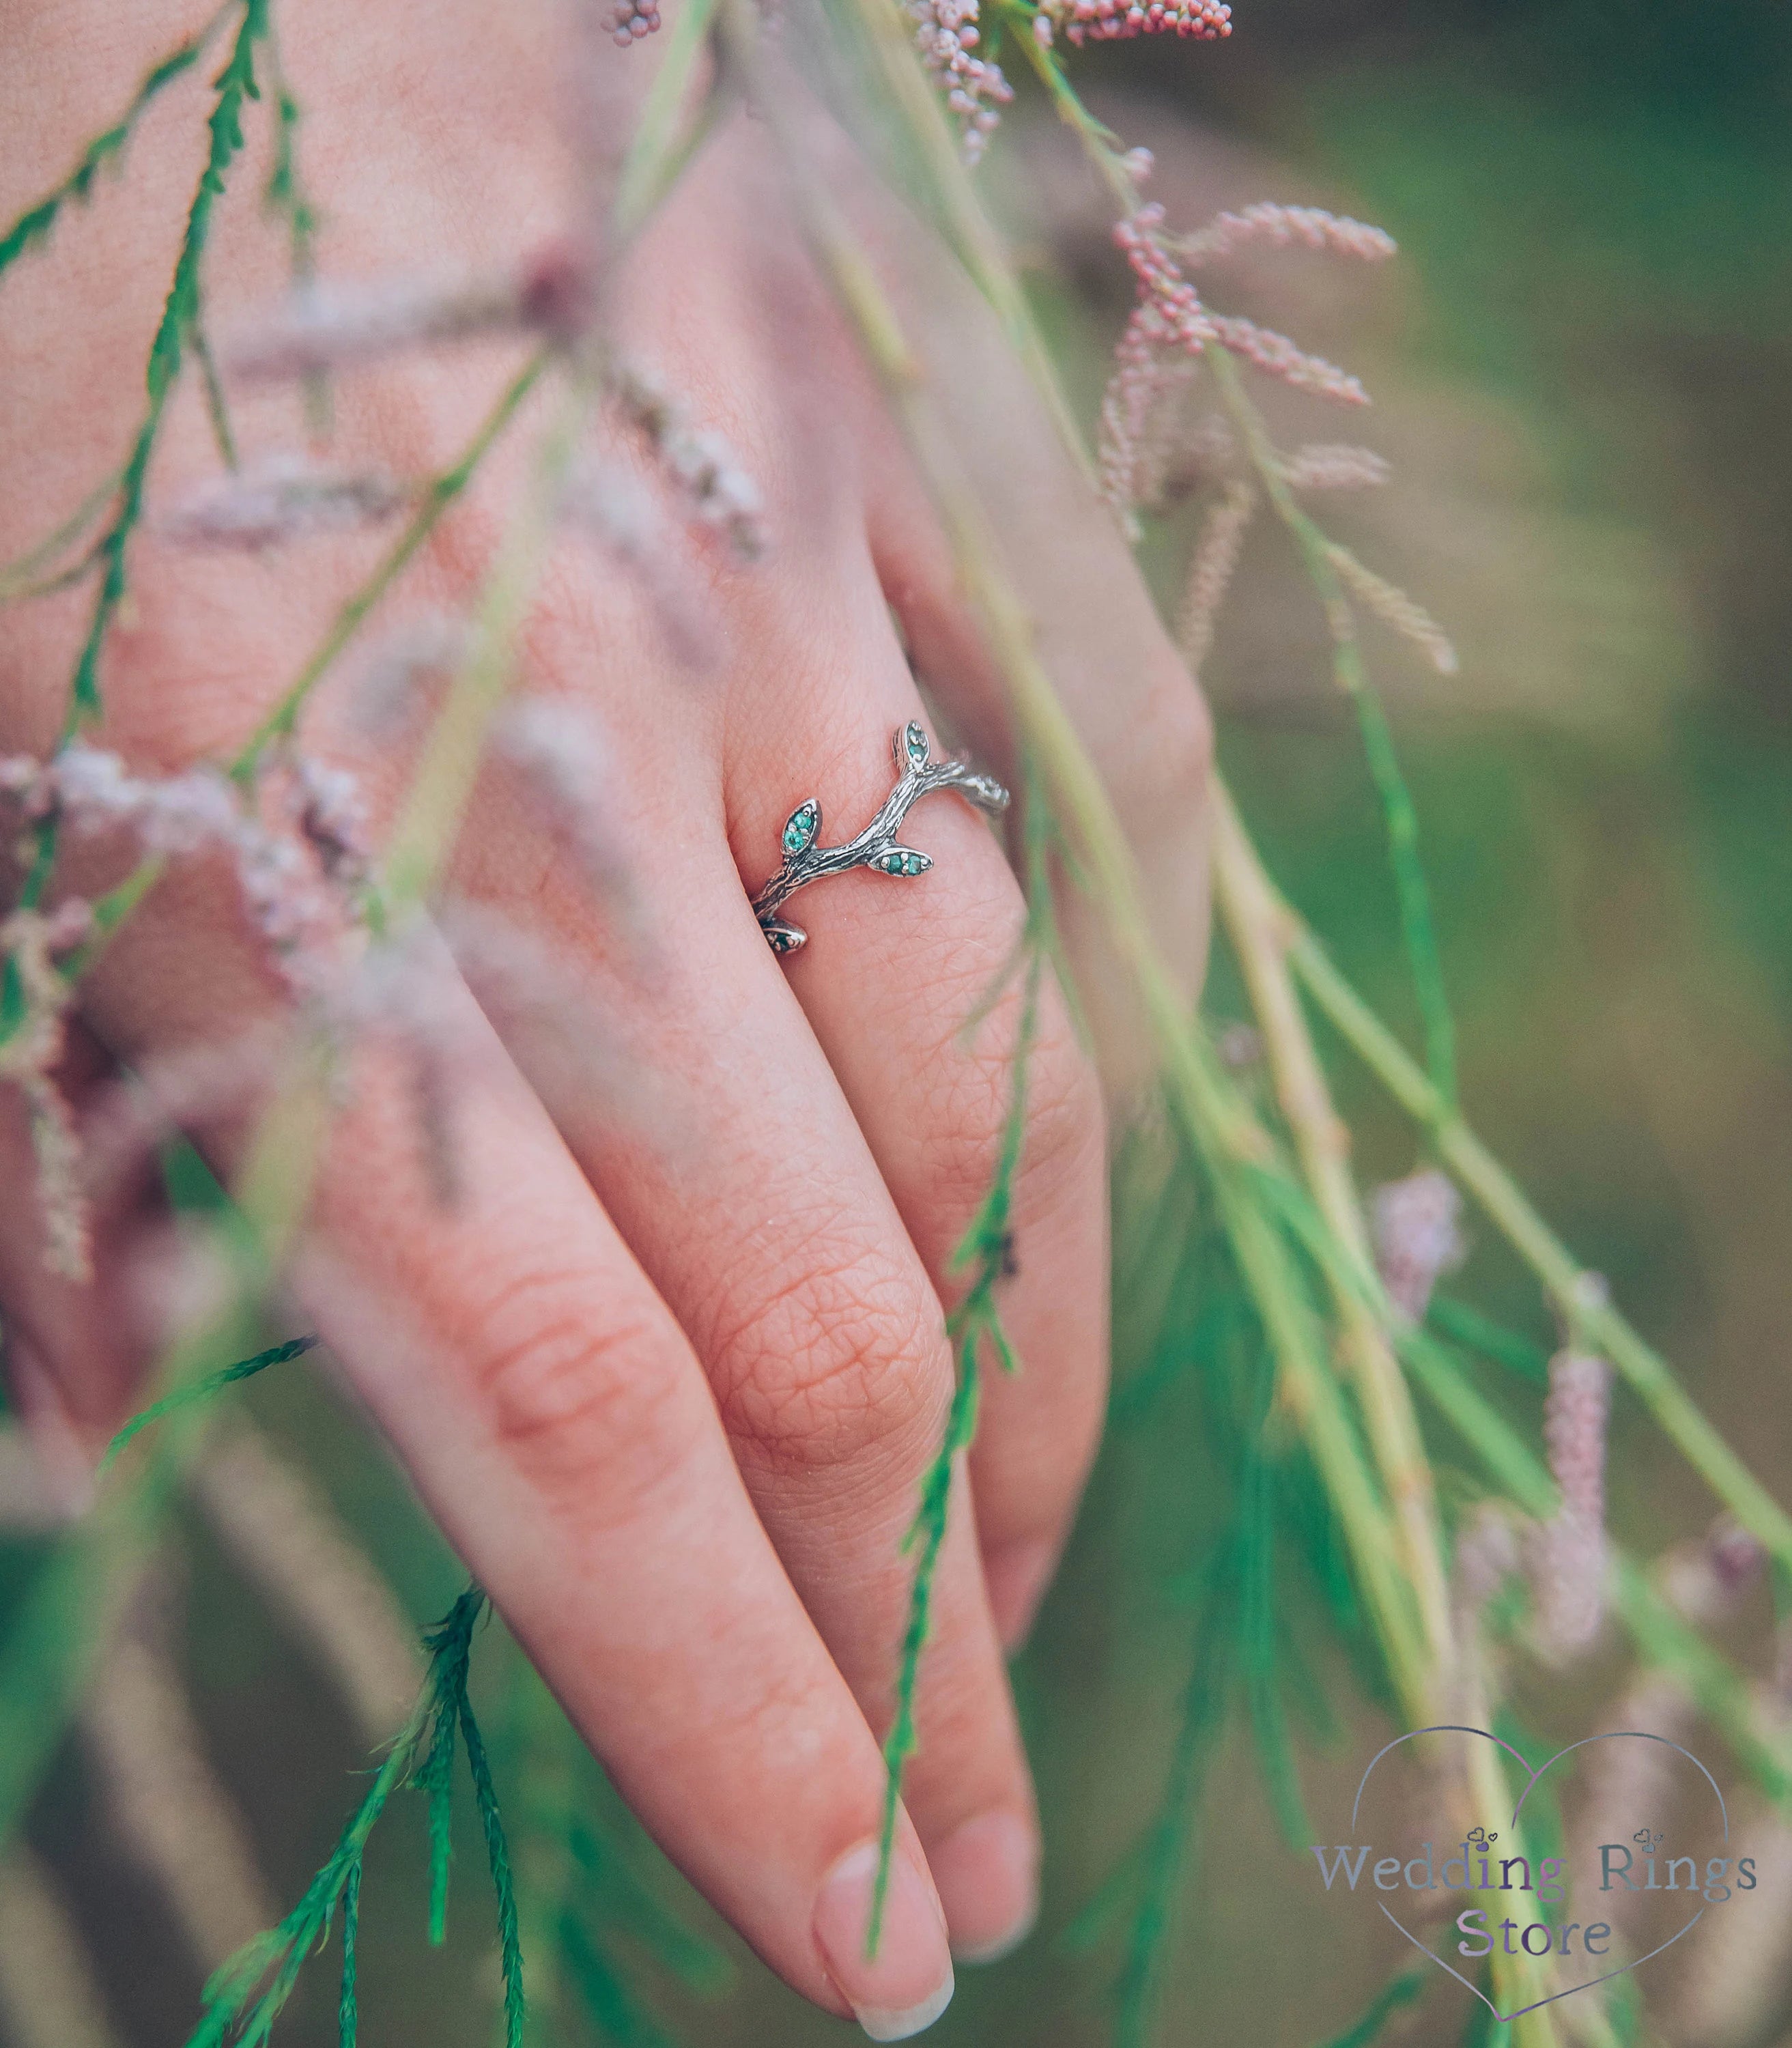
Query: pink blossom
{"x": 292, "y": 888}
{"x": 1568, "y": 1551}
{"x": 1281, "y": 227}
{"x": 562, "y": 748}
{"x": 281, "y": 498}
{"x": 28, "y": 1057}
{"x": 1393, "y": 608}
{"x": 427, "y": 647}
{"x": 1335, "y": 466}
{"x": 699, "y": 462}
{"x": 1108, "y": 21}
{"x": 1278, "y": 356}
{"x": 631, "y": 20}
{"x": 1211, "y": 570}
{"x": 341, "y": 325}
{"x": 946, "y": 33}
{"x": 1415, "y": 1225}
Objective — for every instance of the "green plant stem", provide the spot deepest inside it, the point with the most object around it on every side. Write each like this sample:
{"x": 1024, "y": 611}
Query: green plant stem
{"x": 29, "y": 575}
{"x": 1662, "y": 1634}
{"x": 1595, "y": 1321}
{"x": 1412, "y": 891}
{"x": 986, "y": 1247}
{"x": 968, "y": 231}
{"x": 201, "y": 1390}
{"x": 659, "y": 148}
{"x": 34, "y": 224}
{"x": 1224, "y": 1133}
{"x": 234, "y": 84}
{"x": 438, "y": 496}
{"x": 1247, "y": 907}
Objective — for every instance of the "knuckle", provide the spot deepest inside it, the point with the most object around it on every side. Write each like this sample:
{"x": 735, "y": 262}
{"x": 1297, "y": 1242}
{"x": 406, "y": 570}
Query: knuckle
{"x": 843, "y": 1361}
{"x": 584, "y": 1404}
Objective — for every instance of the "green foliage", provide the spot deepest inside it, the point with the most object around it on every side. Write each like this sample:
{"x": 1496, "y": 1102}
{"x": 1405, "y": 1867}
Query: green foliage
{"x": 203, "y": 1389}
{"x": 988, "y": 1251}
{"x": 32, "y": 226}
{"x": 233, "y": 86}
{"x": 244, "y": 1998}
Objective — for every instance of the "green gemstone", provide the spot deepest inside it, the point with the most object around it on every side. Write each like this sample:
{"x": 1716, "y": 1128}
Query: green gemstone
{"x": 800, "y": 827}
{"x": 915, "y": 740}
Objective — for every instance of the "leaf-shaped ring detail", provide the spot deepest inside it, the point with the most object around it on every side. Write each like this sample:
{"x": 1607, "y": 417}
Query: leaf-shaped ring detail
{"x": 807, "y": 860}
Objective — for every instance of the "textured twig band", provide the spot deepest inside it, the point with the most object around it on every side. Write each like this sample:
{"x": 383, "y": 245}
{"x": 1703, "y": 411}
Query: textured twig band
{"x": 877, "y": 846}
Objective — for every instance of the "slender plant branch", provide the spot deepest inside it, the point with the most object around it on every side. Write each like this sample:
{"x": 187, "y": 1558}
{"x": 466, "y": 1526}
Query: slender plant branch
{"x": 1322, "y": 1141}
{"x": 233, "y": 85}
{"x": 33, "y": 225}
{"x": 438, "y": 495}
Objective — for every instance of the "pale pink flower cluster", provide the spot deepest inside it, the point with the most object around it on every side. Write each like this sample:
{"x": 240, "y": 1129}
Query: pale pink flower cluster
{"x": 1568, "y": 1551}
{"x": 28, "y": 1056}
{"x": 1211, "y": 570}
{"x": 289, "y": 885}
{"x": 1336, "y": 466}
{"x": 1282, "y": 227}
{"x": 1705, "y": 1582}
{"x": 630, "y": 19}
{"x": 1109, "y": 21}
{"x": 1169, "y": 325}
{"x": 1277, "y": 356}
{"x": 699, "y": 463}
{"x": 339, "y": 326}
{"x": 947, "y": 33}
{"x": 331, "y": 815}
{"x": 281, "y": 498}
{"x": 1393, "y": 608}
{"x": 1414, "y": 1226}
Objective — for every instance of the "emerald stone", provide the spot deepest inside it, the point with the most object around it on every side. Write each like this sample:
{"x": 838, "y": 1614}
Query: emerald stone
{"x": 914, "y": 742}
{"x": 801, "y": 826}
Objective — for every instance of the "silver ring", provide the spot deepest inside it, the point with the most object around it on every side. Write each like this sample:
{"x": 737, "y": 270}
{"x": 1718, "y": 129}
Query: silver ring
{"x": 877, "y": 846}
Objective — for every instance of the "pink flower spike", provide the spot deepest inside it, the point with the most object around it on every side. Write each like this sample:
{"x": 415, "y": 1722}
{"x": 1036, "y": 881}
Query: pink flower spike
{"x": 1283, "y": 228}
{"x": 1113, "y": 21}
{"x": 1568, "y": 1553}
{"x": 1415, "y": 1225}
{"x": 1277, "y": 356}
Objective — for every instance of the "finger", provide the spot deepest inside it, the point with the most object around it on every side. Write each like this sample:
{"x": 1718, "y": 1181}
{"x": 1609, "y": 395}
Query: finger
{"x": 1094, "y": 627}
{"x": 559, "y": 1428}
{"x": 764, "y": 1221}
{"x": 894, "y": 972}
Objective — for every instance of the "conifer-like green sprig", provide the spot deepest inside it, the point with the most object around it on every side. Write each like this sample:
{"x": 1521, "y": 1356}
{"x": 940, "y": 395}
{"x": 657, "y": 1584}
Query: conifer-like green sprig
{"x": 986, "y": 1251}
{"x": 233, "y": 85}
{"x": 203, "y": 1389}
{"x": 244, "y": 1998}
{"x": 32, "y": 226}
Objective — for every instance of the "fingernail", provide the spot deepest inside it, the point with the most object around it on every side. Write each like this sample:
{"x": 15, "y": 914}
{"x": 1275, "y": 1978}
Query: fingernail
{"x": 909, "y": 1984}
{"x": 1017, "y": 1577}
{"x": 987, "y": 1873}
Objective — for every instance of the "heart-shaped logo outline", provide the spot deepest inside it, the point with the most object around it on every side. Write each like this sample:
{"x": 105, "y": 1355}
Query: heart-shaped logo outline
{"x": 1487, "y": 1735}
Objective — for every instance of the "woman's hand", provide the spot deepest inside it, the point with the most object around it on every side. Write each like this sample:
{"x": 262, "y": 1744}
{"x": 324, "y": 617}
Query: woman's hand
{"x": 670, "y": 1363}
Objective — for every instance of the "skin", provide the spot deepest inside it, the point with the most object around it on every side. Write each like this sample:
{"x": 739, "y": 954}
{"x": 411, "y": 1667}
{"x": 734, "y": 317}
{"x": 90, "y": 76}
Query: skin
{"x": 669, "y": 1367}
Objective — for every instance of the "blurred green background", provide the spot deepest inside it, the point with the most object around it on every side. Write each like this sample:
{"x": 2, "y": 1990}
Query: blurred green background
{"x": 1582, "y": 364}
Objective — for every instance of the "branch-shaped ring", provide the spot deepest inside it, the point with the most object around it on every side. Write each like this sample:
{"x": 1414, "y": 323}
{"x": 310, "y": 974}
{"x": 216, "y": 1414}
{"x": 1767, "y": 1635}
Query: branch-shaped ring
{"x": 877, "y": 846}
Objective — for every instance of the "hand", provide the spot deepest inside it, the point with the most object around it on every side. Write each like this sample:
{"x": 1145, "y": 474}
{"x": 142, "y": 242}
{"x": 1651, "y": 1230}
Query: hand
{"x": 668, "y": 1366}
